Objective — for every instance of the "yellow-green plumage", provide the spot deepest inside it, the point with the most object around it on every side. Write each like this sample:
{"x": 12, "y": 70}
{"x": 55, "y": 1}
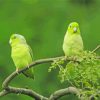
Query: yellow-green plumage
{"x": 21, "y": 54}
{"x": 73, "y": 43}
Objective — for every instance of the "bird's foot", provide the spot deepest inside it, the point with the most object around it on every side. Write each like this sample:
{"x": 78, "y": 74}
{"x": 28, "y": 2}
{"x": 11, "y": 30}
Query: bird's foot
{"x": 28, "y": 66}
{"x": 75, "y": 58}
{"x": 65, "y": 57}
{"x": 17, "y": 70}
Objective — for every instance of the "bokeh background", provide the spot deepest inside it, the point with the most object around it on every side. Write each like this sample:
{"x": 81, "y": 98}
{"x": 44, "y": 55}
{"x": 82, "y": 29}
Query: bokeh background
{"x": 44, "y": 23}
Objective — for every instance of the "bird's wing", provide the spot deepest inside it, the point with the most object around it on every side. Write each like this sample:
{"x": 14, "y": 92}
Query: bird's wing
{"x": 30, "y": 51}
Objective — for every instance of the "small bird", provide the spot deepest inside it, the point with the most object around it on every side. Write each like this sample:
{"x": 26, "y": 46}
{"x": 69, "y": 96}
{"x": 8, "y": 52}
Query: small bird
{"x": 21, "y": 54}
{"x": 73, "y": 43}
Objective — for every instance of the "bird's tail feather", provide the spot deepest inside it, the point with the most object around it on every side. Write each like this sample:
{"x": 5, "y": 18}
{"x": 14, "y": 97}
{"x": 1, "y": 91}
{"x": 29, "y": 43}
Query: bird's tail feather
{"x": 29, "y": 73}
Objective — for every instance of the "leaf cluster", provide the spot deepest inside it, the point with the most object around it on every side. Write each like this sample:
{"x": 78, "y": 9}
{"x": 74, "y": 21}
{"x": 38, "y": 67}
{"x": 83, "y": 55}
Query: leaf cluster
{"x": 82, "y": 72}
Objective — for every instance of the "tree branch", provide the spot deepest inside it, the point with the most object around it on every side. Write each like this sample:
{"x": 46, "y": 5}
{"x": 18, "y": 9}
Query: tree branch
{"x": 24, "y": 91}
{"x": 28, "y": 92}
{"x": 4, "y": 92}
{"x": 57, "y": 94}
{"x": 63, "y": 92}
{"x": 9, "y": 89}
{"x": 97, "y": 48}
{"x": 33, "y": 64}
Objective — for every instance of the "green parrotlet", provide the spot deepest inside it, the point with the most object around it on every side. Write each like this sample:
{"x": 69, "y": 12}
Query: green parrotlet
{"x": 73, "y": 43}
{"x": 21, "y": 54}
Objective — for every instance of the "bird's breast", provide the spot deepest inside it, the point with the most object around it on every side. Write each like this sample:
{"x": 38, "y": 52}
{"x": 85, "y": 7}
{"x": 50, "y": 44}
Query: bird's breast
{"x": 21, "y": 56}
{"x": 72, "y": 44}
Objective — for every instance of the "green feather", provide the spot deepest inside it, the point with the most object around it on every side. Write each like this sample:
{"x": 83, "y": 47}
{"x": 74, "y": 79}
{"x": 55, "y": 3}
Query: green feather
{"x": 21, "y": 54}
{"x": 73, "y": 43}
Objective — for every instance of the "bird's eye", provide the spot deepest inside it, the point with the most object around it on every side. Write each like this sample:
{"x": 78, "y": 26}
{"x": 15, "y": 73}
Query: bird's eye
{"x": 14, "y": 37}
{"x": 70, "y": 26}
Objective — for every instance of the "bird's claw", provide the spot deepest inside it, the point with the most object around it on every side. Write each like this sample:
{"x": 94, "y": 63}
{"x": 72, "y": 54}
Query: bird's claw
{"x": 65, "y": 57}
{"x": 28, "y": 66}
{"x": 17, "y": 71}
{"x": 75, "y": 58}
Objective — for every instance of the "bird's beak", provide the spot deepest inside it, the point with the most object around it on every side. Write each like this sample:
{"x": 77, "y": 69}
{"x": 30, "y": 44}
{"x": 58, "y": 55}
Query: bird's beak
{"x": 75, "y": 29}
{"x": 10, "y": 41}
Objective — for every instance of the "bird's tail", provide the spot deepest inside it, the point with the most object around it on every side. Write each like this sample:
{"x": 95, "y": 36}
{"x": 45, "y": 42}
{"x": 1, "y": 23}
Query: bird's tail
{"x": 29, "y": 73}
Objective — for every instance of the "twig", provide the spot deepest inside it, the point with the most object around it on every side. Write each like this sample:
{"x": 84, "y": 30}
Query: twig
{"x": 97, "y": 48}
{"x": 94, "y": 95}
{"x": 63, "y": 92}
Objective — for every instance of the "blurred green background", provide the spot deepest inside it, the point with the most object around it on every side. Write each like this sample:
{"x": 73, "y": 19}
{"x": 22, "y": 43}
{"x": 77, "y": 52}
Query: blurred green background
{"x": 44, "y": 23}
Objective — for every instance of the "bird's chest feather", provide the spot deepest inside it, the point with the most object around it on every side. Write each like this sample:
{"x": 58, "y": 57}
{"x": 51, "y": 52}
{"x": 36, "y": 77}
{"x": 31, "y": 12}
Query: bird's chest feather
{"x": 21, "y": 56}
{"x": 72, "y": 44}
{"x": 19, "y": 52}
{"x": 73, "y": 41}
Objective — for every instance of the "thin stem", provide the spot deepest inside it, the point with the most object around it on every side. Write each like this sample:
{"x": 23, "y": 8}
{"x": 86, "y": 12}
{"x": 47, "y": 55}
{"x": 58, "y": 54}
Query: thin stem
{"x": 97, "y": 48}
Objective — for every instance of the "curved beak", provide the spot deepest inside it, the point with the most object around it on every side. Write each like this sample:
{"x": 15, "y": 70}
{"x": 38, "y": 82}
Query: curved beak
{"x": 75, "y": 29}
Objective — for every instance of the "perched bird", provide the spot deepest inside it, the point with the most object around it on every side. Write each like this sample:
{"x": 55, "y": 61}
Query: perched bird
{"x": 21, "y": 54}
{"x": 73, "y": 43}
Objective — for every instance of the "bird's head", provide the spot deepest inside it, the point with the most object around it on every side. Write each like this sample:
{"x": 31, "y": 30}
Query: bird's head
{"x": 73, "y": 28}
{"x": 16, "y": 39}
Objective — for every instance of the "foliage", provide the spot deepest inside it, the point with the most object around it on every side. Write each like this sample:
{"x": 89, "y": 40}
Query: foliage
{"x": 82, "y": 72}
{"x": 44, "y": 23}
